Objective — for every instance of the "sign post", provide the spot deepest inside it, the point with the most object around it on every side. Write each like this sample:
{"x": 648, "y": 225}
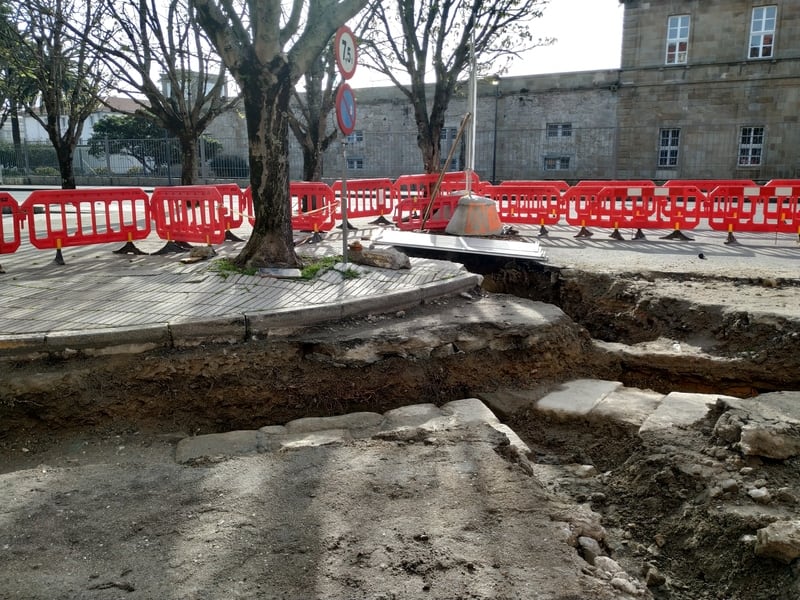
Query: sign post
{"x": 346, "y": 54}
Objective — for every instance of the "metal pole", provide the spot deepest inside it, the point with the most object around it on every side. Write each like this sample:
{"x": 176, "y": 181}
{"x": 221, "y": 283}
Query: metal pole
{"x": 473, "y": 106}
{"x": 344, "y": 201}
{"x": 496, "y": 83}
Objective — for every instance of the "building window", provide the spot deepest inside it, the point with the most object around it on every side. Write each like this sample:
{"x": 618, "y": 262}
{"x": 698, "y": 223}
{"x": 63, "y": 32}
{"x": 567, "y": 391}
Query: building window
{"x": 355, "y": 164}
{"x": 556, "y": 163}
{"x": 448, "y": 138}
{"x": 455, "y": 163}
{"x": 448, "y": 133}
{"x": 677, "y": 40}
{"x": 559, "y": 130}
{"x": 762, "y": 31}
{"x": 356, "y": 136}
{"x": 751, "y": 145}
{"x": 668, "y": 142}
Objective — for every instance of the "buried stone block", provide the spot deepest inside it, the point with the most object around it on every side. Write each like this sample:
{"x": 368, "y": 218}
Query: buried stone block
{"x": 767, "y": 425}
{"x": 682, "y": 410}
{"x": 779, "y": 540}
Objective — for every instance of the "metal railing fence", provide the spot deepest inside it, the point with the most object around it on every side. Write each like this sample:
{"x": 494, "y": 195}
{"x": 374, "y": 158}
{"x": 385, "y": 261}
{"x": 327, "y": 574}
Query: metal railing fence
{"x": 711, "y": 152}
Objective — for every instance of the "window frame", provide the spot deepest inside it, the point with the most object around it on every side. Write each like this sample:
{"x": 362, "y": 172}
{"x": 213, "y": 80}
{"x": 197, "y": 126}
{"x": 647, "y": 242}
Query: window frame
{"x": 356, "y": 137}
{"x": 355, "y": 163}
{"x": 751, "y": 152}
{"x": 448, "y": 134}
{"x": 562, "y": 162}
{"x": 757, "y": 41}
{"x": 669, "y": 154}
{"x": 558, "y": 130}
{"x": 677, "y": 40}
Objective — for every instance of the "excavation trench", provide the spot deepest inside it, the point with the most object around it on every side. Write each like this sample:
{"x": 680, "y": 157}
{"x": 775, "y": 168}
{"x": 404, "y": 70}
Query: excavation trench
{"x": 531, "y": 327}
{"x": 613, "y": 328}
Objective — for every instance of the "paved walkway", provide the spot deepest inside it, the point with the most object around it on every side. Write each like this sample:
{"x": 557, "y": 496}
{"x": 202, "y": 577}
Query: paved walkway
{"x": 99, "y": 298}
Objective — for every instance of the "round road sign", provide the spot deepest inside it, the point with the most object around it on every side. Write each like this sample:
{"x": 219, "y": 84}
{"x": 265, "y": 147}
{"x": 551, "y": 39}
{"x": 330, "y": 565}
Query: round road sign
{"x": 344, "y": 48}
{"x": 346, "y": 109}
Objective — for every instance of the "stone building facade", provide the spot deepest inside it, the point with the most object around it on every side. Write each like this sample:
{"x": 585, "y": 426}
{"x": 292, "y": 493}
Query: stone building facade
{"x": 709, "y": 89}
{"x": 706, "y": 89}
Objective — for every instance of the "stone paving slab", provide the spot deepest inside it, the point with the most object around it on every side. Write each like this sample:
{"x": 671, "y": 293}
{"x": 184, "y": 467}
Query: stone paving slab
{"x": 627, "y": 405}
{"x": 577, "y": 397}
{"x": 679, "y": 409}
{"x": 416, "y": 422}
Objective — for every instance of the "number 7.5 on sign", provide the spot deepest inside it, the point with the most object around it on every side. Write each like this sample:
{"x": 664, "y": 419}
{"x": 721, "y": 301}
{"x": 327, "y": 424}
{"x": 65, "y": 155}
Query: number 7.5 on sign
{"x": 345, "y": 51}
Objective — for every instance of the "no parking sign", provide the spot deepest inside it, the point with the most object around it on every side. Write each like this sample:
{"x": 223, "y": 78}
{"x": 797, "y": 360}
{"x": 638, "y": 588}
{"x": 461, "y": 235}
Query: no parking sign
{"x": 346, "y": 53}
{"x": 346, "y": 109}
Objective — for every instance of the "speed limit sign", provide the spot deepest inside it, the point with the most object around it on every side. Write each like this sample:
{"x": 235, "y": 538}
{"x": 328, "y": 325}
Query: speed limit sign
{"x": 344, "y": 47}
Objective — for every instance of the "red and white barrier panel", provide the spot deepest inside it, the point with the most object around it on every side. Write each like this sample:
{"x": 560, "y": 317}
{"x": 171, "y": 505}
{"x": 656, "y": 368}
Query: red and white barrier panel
{"x": 313, "y": 206}
{"x": 706, "y": 185}
{"x": 10, "y": 228}
{"x": 528, "y": 202}
{"x": 764, "y": 209}
{"x": 234, "y": 204}
{"x": 61, "y": 218}
{"x": 365, "y": 198}
{"x": 189, "y": 214}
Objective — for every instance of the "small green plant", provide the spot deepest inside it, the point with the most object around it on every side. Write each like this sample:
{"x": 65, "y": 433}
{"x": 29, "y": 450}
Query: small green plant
{"x": 225, "y": 268}
{"x": 319, "y": 266}
{"x": 350, "y": 273}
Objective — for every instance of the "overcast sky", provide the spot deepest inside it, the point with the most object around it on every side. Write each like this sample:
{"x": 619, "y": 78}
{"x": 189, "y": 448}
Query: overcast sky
{"x": 588, "y": 33}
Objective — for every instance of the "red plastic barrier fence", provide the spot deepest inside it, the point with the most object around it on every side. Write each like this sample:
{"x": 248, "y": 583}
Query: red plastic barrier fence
{"x": 784, "y": 182}
{"x": 581, "y": 207}
{"x": 680, "y": 207}
{"x": 189, "y": 214}
{"x": 706, "y": 185}
{"x": 769, "y": 208}
{"x": 562, "y": 185}
{"x": 365, "y": 198}
{"x": 613, "y": 205}
{"x": 782, "y": 207}
{"x": 409, "y": 213}
{"x": 601, "y": 183}
{"x": 421, "y": 186}
{"x": 411, "y": 194}
{"x": 10, "y": 235}
{"x": 629, "y": 206}
{"x": 61, "y": 218}
{"x": 233, "y": 203}
{"x": 530, "y": 202}
{"x": 312, "y": 206}
{"x": 638, "y": 204}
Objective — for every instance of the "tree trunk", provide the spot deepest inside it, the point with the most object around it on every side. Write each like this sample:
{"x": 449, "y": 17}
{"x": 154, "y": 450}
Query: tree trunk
{"x": 429, "y": 132}
{"x": 266, "y": 104}
{"x": 188, "y": 160}
{"x": 430, "y": 153}
{"x": 65, "y": 153}
{"x": 312, "y": 164}
{"x": 16, "y": 136}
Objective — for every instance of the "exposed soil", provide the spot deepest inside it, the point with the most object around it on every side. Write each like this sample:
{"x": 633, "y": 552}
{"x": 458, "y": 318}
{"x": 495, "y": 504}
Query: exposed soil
{"x": 661, "y": 514}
